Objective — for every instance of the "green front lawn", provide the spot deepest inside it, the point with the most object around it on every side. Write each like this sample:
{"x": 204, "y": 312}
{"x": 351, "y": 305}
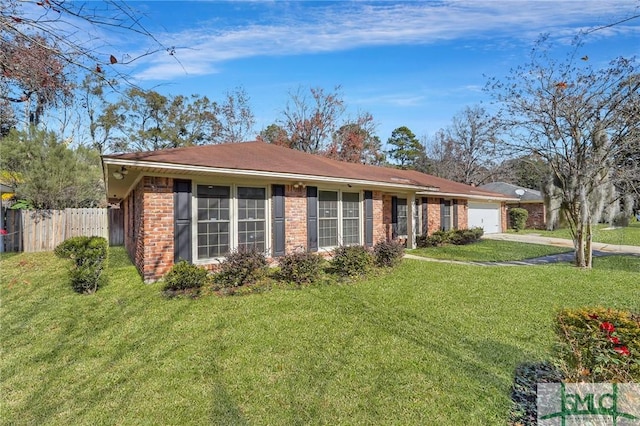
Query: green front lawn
{"x": 629, "y": 235}
{"x": 428, "y": 343}
{"x": 489, "y": 251}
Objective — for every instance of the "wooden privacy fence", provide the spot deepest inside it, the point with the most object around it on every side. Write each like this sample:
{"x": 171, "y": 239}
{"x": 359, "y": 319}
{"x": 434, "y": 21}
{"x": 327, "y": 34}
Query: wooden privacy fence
{"x": 43, "y": 230}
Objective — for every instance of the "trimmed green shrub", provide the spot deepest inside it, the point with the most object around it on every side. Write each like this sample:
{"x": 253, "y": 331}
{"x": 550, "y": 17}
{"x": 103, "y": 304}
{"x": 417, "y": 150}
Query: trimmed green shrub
{"x": 241, "y": 268}
{"x": 518, "y": 218}
{"x": 351, "y": 261}
{"x": 184, "y": 277}
{"x": 599, "y": 345}
{"x": 301, "y": 267}
{"x": 89, "y": 256}
{"x": 453, "y": 236}
{"x": 524, "y": 410}
{"x": 469, "y": 236}
{"x": 388, "y": 253}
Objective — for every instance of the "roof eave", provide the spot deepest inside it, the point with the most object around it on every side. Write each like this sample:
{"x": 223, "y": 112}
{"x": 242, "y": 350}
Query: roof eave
{"x": 468, "y": 196}
{"x": 264, "y": 174}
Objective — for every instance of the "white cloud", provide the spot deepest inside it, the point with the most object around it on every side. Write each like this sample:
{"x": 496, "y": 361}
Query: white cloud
{"x": 346, "y": 26}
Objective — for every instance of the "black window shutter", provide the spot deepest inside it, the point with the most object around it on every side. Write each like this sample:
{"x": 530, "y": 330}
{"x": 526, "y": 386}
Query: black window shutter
{"x": 278, "y": 221}
{"x": 312, "y": 218}
{"x": 425, "y": 217}
{"x": 181, "y": 220}
{"x": 443, "y": 225}
{"x": 368, "y": 218}
{"x": 455, "y": 214}
{"x": 394, "y": 217}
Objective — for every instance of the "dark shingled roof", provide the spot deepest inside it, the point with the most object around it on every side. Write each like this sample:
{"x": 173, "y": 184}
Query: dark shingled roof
{"x": 266, "y": 157}
{"x": 510, "y": 190}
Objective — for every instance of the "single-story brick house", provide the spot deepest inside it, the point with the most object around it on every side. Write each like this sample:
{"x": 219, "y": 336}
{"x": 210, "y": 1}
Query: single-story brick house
{"x": 199, "y": 203}
{"x": 529, "y": 199}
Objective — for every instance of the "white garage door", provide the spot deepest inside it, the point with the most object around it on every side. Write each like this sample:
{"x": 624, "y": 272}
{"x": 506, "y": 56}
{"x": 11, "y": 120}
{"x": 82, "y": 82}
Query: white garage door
{"x": 485, "y": 216}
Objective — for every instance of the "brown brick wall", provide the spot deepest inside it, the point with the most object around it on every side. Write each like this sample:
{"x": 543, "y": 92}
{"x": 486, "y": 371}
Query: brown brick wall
{"x": 150, "y": 218}
{"x": 379, "y": 225}
{"x": 133, "y": 230}
{"x": 149, "y": 227}
{"x": 536, "y": 219}
{"x": 386, "y": 216}
{"x": 463, "y": 214}
{"x": 433, "y": 215}
{"x": 158, "y": 227}
{"x": 295, "y": 213}
{"x": 503, "y": 217}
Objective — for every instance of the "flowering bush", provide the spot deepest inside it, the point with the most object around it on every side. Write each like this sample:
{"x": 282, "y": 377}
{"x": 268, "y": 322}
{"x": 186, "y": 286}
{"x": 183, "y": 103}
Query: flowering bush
{"x": 599, "y": 345}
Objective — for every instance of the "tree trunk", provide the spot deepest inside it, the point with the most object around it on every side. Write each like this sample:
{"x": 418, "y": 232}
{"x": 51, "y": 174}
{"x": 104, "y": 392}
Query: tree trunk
{"x": 588, "y": 247}
{"x": 580, "y": 246}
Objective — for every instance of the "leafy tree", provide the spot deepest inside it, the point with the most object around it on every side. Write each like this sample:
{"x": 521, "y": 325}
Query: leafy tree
{"x": 274, "y": 134}
{"x": 147, "y": 121}
{"x": 578, "y": 119}
{"x": 45, "y": 43}
{"x": 527, "y": 171}
{"x": 355, "y": 142}
{"x": 69, "y": 30}
{"x": 236, "y": 118}
{"x": 466, "y": 149}
{"x": 310, "y": 122}
{"x": 7, "y": 118}
{"x": 102, "y": 117}
{"x": 406, "y": 150}
{"x": 49, "y": 175}
{"x": 32, "y": 74}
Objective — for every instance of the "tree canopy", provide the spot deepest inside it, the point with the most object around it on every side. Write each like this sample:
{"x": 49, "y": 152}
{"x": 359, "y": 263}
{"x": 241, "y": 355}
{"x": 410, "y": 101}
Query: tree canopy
{"x": 579, "y": 119}
{"x": 405, "y": 149}
{"x": 47, "y": 174}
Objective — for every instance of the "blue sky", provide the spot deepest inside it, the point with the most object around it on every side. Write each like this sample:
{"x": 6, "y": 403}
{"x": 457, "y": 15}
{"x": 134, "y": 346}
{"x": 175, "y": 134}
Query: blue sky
{"x": 411, "y": 63}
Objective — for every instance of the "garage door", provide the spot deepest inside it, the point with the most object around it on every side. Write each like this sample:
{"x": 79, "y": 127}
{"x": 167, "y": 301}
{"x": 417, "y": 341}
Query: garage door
{"x": 485, "y": 216}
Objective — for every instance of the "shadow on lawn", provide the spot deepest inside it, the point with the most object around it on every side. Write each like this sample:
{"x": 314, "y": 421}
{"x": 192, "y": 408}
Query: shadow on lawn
{"x": 480, "y": 361}
{"x": 98, "y": 356}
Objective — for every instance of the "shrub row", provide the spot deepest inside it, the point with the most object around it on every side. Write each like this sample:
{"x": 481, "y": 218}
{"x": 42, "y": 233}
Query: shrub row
{"x": 89, "y": 256}
{"x": 453, "y": 236}
{"x": 245, "y": 268}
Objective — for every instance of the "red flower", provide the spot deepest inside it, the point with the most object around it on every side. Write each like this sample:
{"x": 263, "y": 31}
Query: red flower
{"x": 607, "y": 327}
{"x": 593, "y": 316}
{"x": 614, "y": 340}
{"x": 3, "y": 232}
{"x": 622, "y": 350}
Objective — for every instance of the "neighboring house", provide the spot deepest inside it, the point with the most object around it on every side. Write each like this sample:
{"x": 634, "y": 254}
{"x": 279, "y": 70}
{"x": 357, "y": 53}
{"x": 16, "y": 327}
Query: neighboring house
{"x": 528, "y": 199}
{"x": 199, "y": 203}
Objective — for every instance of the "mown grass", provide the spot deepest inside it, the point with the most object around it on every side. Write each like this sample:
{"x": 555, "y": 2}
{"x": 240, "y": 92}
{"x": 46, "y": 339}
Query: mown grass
{"x": 489, "y": 251}
{"x": 425, "y": 344}
{"x": 602, "y": 233}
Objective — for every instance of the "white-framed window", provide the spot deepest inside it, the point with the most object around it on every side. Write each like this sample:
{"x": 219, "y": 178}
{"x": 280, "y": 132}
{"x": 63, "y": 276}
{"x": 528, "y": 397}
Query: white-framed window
{"x": 214, "y": 221}
{"x": 338, "y": 218}
{"x": 252, "y": 214}
{"x": 230, "y": 217}
{"x": 402, "y": 215}
{"x": 350, "y": 218}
